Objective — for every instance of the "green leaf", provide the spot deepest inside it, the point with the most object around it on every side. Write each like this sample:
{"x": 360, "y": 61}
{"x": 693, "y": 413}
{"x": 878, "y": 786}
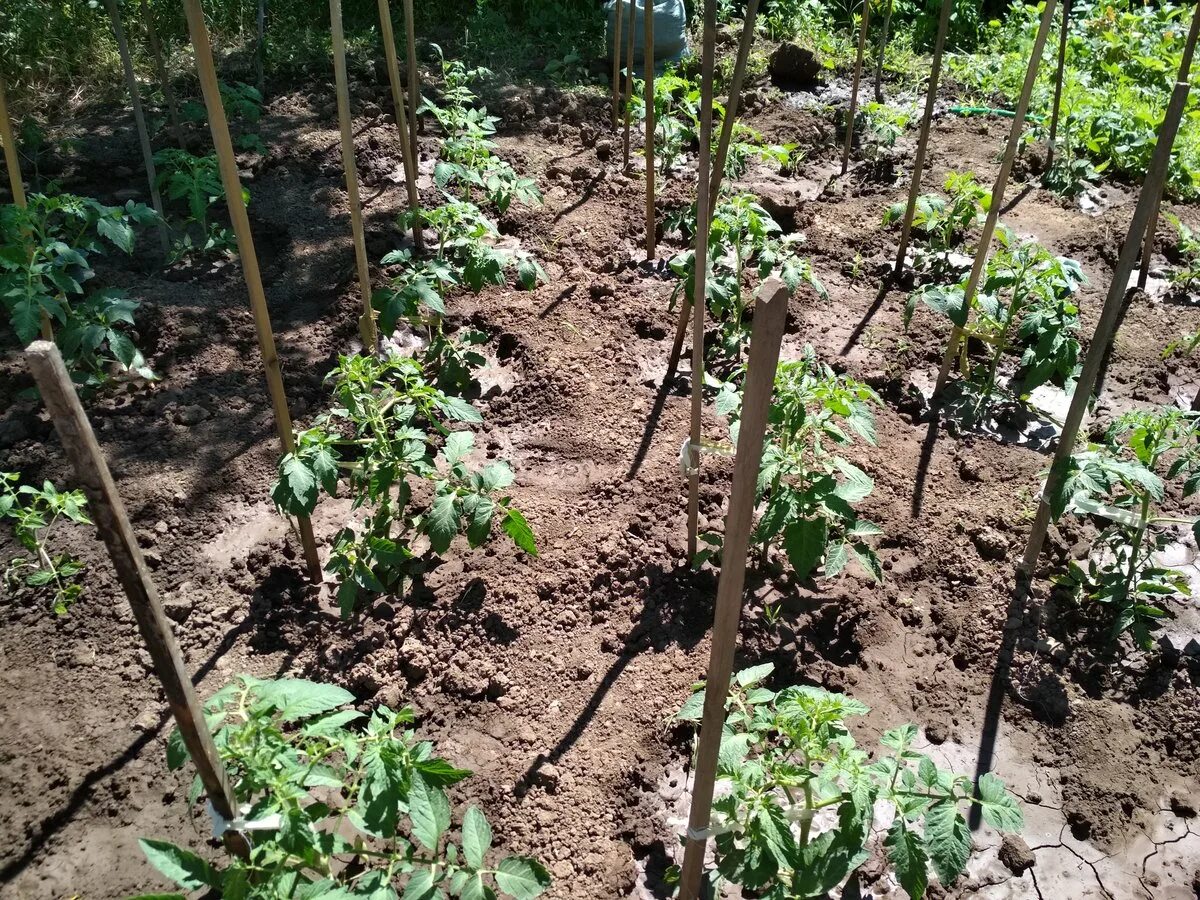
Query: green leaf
{"x": 458, "y": 409}
{"x": 117, "y": 231}
{"x": 442, "y": 522}
{"x": 421, "y": 886}
{"x": 522, "y": 877}
{"x": 947, "y": 839}
{"x": 804, "y": 542}
{"x": 296, "y": 490}
{"x": 754, "y": 674}
{"x": 907, "y": 855}
{"x": 183, "y": 867}
{"x": 1000, "y": 809}
{"x": 692, "y": 709}
{"x": 297, "y": 699}
{"x": 518, "y": 529}
{"x": 440, "y": 773}
{"x": 479, "y": 526}
{"x": 476, "y": 837}
{"x": 429, "y": 811}
{"x": 858, "y": 484}
{"x": 177, "y": 753}
{"x": 458, "y": 445}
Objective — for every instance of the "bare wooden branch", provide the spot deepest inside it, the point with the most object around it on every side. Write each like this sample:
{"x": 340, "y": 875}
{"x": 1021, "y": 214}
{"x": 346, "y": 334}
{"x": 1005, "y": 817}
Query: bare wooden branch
{"x": 648, "y": 64}
{"x": 112, "y": 524}
{"x": 769, "y": 318}
{"x": 249, "y": 258}
{"x": 414, "y": 78}
{"x": 164, "y": 75}
{"x": 366, "y": 321}
{"x": 628, "y": 81}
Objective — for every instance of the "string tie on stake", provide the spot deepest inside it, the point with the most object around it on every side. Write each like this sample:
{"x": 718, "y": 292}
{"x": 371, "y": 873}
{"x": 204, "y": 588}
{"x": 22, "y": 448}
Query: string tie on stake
{"x": 239, "y": 823}
{"x": 685, "y": 454}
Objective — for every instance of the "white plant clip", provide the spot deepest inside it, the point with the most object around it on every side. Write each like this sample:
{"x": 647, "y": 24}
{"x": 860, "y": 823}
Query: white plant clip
{"x": 239, "y": 822}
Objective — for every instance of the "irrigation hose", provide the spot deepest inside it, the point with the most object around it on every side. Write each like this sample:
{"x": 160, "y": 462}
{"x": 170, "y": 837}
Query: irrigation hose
{"x": 989, "y": 111}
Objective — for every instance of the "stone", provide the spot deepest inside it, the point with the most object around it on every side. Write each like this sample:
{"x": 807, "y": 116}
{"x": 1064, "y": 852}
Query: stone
{"x": 1016, "y": 855}
{"x": 991, "y": 544}
{"x": 604, "y": 150}
{"x": 935, "y": 733}
{"x": 178, "y": 607}
{"x": 793, "y": 65}
{"x": 191, "y": 415}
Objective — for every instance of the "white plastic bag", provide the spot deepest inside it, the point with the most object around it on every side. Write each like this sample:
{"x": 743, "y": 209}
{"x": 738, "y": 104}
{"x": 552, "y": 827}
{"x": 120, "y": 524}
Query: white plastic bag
{"x": 670, "y": 31}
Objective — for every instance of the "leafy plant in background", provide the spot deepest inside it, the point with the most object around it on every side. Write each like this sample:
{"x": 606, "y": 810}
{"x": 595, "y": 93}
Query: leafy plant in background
{"x": 806, "y": 489}
{"x": 392, "y": 426}
{"x": 1027, "y": 290}
{"x": 34, "y": 512}
{"x": 1186, "y": 274}
{"x": 884, "y": 124}
{"x": 344, "y": 804}
{"x": 1122, "y": 483}
{"x": 742, "y": 235}
{"x": 747, "y": 145}
{"x": 46, "y": 252}
{"x": 797, "y": 818}
{"x": 196, "y": 180}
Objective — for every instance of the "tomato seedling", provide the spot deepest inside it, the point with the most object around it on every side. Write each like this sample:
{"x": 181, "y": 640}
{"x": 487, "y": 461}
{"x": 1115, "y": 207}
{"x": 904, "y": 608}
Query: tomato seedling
{"x": 33, "y": 512}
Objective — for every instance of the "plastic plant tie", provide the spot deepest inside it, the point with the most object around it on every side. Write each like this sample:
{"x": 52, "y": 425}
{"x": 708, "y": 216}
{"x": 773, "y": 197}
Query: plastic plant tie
{"x": 685, "y": 453}
{"x": 239, "y": 822}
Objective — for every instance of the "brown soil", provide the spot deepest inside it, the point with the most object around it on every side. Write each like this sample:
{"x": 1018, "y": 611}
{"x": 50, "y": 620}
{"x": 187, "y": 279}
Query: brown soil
{"x": 555, "y": 678}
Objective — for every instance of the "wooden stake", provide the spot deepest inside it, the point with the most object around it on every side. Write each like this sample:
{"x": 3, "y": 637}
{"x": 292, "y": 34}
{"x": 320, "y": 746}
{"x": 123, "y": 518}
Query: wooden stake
{"x": 139, "y": 118}
{"x": 1148, "y": 244}
{"x": 260, "y": 49}
{"x": 407, "y": 156}
{"x": 914, "y": 189}
{"x": 12, "y": 162}
{"x": 112, "y": 524}
{"x": 1058, "y": 83}
{"x": 700, "y": 278}
{"x": 858, "y": 64}
{"x": 414, "y": 79}
{"x": 883, "y": 39}
{"x": 160, "y": 66}
{"x": 993, "y": 216}
{"x": 1156, "y": 176}
{"x": 245, "y": 240}
{"x": 769, "y": 317}
{"x": 618, "y": 21}
{"x": 735, "y": 97}
{"x": 648, "y": 64}
{"x": 366, "y": 322}
{"x": 628, "y": 80}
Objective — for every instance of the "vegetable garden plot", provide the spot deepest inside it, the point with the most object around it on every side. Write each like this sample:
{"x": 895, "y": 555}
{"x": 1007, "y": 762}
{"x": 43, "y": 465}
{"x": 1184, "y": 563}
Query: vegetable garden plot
{"x": 553, "y": 677}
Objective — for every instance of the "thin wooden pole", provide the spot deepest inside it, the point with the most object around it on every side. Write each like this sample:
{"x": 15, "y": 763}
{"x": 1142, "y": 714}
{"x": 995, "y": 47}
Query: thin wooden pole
{"x": 407, "y": 156}
{"x": 12, "y": 162}
{"x": 139, "y": 118}
{"x": 260, "y": 49}
{"x": 366, "y": 322}
{"x": 914, "y": 189}
{"x": 1156, "y": 176}
{"x": 858, "y": 64}
{"x": 160, "y": 66}
{"x": 1051, "y": 144}
{"x": 1148, "y": 244}
{"x": 628, "y": 80}
{"x": 648, "y": 64}
{"x": 245, "y": 240}
{"x": 769, "y": 318}
{"x": 112, "y": 524}
{"x": 618, "y": 21}
{"x": 700, "y": 276}
{"x": 735, "y": 96}
{"x": 993, "y": 216}
{"x": 414, "y": 78}
{"x": 883, "y": 39}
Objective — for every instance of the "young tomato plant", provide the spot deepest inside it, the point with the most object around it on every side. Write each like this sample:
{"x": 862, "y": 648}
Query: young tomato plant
{"x": 340, "y": 804}
{"x": 196, "y": 180}
{"x": 1121, "y": 482}
{"x": 405, "y": 466}
{"x": 33, "y": 512}
{"x": 747, "y": 145}
{"x": 808, "y": 491}
{"x": 943, "y": 223}
{"x": 1186, "y": 275}
{"x": 46, "y": 252}
{"x": 1025, "y": 303}
{"x": 802, "y": 796}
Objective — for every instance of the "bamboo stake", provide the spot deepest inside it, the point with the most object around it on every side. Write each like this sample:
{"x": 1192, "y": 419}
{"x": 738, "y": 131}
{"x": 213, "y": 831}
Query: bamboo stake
{"x": 160, "y": 66}
{"x": 260, "y": 49}
{"x": 858, "y": 64}
{"x": 700, "y": 278}
{"x": 993, "y": 216}
{"x": 1156, "y": 176}
{"x": 883, "y": 39}
{"x": 1148, "y": 244}
{"x": 618, "y": 17}
{"x": 12, "y": 162}
{"x": 648, "y": 64}
{"x": 245, "y": 241}
{"x": 366, "y": 322}
{"x": 1058, "y": 82}
{"x": 628, "y": 81}
{"x": 414, "y": 82}
{"x": 112, "y": 523}
{"x": 406, "y": 155}
{"x": 769, "y": 318}
{"x": 935, "y": 74}
{"x": 139, "y": 118}
{"x": 735, "y": 97}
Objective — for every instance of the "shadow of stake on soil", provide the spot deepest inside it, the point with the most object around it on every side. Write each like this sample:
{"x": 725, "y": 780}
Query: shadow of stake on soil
{"x": 865, "y": 322}
{"x": 660, "y": 401}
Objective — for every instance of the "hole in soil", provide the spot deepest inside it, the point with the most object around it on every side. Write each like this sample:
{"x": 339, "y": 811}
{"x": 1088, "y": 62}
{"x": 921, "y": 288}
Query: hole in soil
{"x": 649, "y": 330}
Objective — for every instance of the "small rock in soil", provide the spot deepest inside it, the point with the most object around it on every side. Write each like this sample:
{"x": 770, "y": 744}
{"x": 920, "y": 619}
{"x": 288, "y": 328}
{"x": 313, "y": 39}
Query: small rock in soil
{"x": 991, "y": 544}
{"x": 11, "y": 431}
{"x": 178, "y": 607}
{"x": 1184, "y": 807}
{"x": 1016, "y": 855}
{"x": 793, "y": 65}
{"x": 191, "y": 415}
{"x": 549, "y": 776}
{"x": 604, "y": 150}
{"x": 935, "y": 733}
